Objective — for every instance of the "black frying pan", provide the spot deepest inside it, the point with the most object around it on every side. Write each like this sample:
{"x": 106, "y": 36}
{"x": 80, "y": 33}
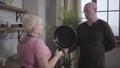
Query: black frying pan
{"x": 65, "y": 37}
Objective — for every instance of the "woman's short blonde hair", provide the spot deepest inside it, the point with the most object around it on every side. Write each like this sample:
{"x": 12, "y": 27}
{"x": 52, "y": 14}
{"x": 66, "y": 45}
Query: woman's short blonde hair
{"x": 29, "y": 21}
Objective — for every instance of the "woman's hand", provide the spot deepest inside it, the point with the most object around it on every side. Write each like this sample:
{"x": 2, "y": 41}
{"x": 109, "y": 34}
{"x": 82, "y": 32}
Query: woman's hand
{"x": 59, "y": 53}
{"x": 65, "y": 50}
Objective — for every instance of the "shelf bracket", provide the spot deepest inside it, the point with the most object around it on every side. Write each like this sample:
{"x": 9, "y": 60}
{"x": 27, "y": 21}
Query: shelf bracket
{"x": 20, "y": 34}
{"x": 18, "y": 14}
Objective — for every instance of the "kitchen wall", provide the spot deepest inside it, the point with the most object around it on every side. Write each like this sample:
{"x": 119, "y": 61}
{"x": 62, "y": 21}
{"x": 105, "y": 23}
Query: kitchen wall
{"x": 36, "y": 7}
{"x": 46, "y": 9}
{"x": 9, "y": 40}
{"x": 42, "y": 8}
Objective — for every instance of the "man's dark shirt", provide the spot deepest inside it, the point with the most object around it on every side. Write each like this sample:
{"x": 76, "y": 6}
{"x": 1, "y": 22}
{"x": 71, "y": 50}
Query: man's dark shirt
{"x": 94, "y": 41}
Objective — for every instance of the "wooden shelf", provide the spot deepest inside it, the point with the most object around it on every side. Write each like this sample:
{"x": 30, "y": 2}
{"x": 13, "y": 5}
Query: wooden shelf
{"x": 18, "y": 11}
{"x": 12, "y": 8}
{"x": 10, "y": 29}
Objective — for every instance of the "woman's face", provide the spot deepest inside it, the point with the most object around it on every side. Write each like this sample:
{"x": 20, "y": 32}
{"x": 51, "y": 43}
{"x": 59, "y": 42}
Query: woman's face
{"x": 40, "y": 28}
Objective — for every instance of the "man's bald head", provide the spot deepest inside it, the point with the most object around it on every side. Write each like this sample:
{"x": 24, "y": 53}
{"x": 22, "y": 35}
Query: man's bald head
{"x": 91, "y": 5}
{"x": 90, "y": 12}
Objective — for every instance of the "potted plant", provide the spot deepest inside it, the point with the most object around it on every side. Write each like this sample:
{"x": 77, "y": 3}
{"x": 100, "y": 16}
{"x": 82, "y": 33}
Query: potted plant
{"x": 68, "y": 18}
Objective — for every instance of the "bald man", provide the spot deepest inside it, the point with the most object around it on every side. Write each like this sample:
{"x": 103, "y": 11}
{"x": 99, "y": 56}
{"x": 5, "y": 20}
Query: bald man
{"x": 95, "y": 37}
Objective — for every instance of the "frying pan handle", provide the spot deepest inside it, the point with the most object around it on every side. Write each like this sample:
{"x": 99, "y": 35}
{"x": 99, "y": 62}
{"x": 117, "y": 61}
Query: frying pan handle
{"x": 60, "y": 49}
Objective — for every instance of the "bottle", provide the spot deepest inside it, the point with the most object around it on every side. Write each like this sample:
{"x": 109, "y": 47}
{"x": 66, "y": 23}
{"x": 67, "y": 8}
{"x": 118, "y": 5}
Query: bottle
{"x": 7, "y": 24}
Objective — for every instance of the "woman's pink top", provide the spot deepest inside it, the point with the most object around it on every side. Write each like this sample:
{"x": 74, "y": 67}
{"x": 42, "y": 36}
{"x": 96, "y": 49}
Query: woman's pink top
{"x": 31, "y": 50}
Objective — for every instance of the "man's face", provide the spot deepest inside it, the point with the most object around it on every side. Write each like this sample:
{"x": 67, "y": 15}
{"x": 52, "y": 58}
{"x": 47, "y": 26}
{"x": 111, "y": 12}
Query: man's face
{"x": 89, "y": 12}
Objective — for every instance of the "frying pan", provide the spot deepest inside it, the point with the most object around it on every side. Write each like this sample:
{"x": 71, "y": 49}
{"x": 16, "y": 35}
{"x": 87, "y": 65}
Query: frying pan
{"x": 65, "y": 37}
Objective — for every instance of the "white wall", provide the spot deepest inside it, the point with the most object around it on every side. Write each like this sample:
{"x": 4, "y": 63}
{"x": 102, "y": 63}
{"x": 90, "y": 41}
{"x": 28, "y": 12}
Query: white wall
{"x": 36, "y": 7}
{"x": 31, "y": 6}
{"x": 9, "y": 40}
{"x": 46, "y": 9}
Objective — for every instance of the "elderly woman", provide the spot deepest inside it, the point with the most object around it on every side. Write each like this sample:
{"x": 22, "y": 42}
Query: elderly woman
{"x": 32, "y": 51}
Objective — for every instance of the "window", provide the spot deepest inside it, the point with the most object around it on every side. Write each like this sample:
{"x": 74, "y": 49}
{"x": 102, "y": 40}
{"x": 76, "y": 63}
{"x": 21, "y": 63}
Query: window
{"x": 109, "y": 11}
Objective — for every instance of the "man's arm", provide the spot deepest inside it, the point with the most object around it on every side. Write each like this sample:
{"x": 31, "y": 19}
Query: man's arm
{"x": 109, "y": 39}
